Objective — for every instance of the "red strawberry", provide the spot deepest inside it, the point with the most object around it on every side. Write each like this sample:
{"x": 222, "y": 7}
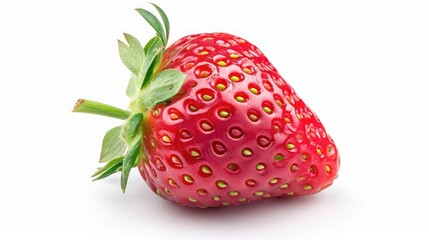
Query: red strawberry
{"x": 213, "y": 123}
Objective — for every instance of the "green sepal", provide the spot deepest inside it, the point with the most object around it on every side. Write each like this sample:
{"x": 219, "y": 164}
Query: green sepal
{"x": 164, "y": 20}
{"x": 162, "y": 87}
{"x": 128, "y": 163}
{"x": 155, "y": 23}
{"x": 133, "y": 124}
{"x": 113, "y": 145}
{"x": 146, "y": 88}
{"x": 132, "y": 55}
{"x": 132, "y": 130}
{"x": 153, "y": 50}
{"x": 133, "y": 87}
{"x": 110, "y": 168}
{"x": 149, "y": 44}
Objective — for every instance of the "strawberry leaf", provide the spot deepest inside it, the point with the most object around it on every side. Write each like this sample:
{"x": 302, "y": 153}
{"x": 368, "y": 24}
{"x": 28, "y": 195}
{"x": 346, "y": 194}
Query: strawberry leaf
{"x": 113, "y": 145}
{"x": 132, "y": 55}
{"x": 128, "y": 163}
{"x": 164, "y": 86}
{"x": 110, "y": 168}
{"x": 154, "y": 22}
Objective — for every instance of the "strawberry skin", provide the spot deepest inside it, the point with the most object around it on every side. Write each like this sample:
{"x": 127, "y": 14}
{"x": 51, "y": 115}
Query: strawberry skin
{"x": 235, "y": 133}
{"x": 212, "y": 123}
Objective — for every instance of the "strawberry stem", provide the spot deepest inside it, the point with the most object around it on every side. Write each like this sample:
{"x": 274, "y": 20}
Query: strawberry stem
{"x": 93, "y": 107}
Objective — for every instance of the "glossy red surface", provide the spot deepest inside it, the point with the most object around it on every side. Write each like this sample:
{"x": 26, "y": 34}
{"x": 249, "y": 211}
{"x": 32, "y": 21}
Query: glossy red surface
{"x": 236, "y": 133}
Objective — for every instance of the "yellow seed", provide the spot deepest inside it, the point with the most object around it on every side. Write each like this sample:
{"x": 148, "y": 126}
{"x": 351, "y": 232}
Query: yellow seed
{"x": 299, "y": 116}
{"x": 279, "y": 157}
{"x": 207, "y": 97}
{"x": 233, "y": 193}
{"x": 191, "y": 199}
{"x": 220, "y": 87}
{"x": 225, "y": 203}
{"x": 202, "y": 53}
{"x": 279, "y": 103}
{"x": 267, "y": 195}
{"x": 216, "y": 198}
{"x": 206, "y": 127}
{"x": 267, "y": 86}
{"x": 294, "y": 167}
{"x": 247, "y": 152}
{"x": 253, "y": 117}
{"x": 188, "y": 179}
{"x": 247, "y": 70}
{"x": 168, "y": 191}
{"x": 259, "y": 193}
{"x": 205, "y": 169}
{"x": 234, "y": 55}
{"x": 254, "y": 90}
{"x": 327, "y": 168}
{"x": 158, "y": 191}
{"x": 223, "y": 114}
{"x": 155, "y": 112}
{"x": 283, "y": 186}
{"x": 260, "y": 167}
{"x": 204, "y": 74}
{"x": 267, "y": 110}
{"x": 202, "y": 192}
{"x": 274, "y": 180}
{"x": 172, "y": 182}
{"x": 193, "y": 108}
{"x": 221, "y": 184}
{"x": 290, "y": 146}
{"x": 239, "y": 99}
{"x": 287, "y": 120}
{"x": 301, "y": 178}
{"x": 166, "y": 139}
{"x": 221, "y": 63}
{"x": 195, "y": 153}
{"x": 318, "y": 151}
{"x": 250, "y": 182}
{"x": 174, "y": 116}
{"x": 189, "y": 65}
{"x": 242, "y": 199}
{"x": 235, "y": 78}
{"x": 304, "y": 156}
{"x": 290, "y": 193}
{"x": 308, "y": 187}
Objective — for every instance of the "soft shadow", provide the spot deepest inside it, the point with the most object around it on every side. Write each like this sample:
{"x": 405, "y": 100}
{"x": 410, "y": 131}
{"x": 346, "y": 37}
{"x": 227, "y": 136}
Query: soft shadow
{"x": 262, "y": 208}
{"x": 140, "y": 203}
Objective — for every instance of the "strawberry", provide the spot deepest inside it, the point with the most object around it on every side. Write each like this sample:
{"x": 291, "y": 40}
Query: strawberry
{"x": 211, "y": 123}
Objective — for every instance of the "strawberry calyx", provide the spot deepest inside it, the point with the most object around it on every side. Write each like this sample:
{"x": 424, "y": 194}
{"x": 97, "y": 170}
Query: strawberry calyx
{"x": 148, "y": 86}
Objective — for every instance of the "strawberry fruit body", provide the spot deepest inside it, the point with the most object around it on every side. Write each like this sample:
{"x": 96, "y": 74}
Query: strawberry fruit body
{"x": 212, "y": 123}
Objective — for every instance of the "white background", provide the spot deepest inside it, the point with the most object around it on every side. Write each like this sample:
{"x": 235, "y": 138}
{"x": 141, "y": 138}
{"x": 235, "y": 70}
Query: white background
{"x": 362, "y": 66}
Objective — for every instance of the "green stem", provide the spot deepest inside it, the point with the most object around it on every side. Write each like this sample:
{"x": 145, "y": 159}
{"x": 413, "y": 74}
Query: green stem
{"x": 93, "y": 107}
